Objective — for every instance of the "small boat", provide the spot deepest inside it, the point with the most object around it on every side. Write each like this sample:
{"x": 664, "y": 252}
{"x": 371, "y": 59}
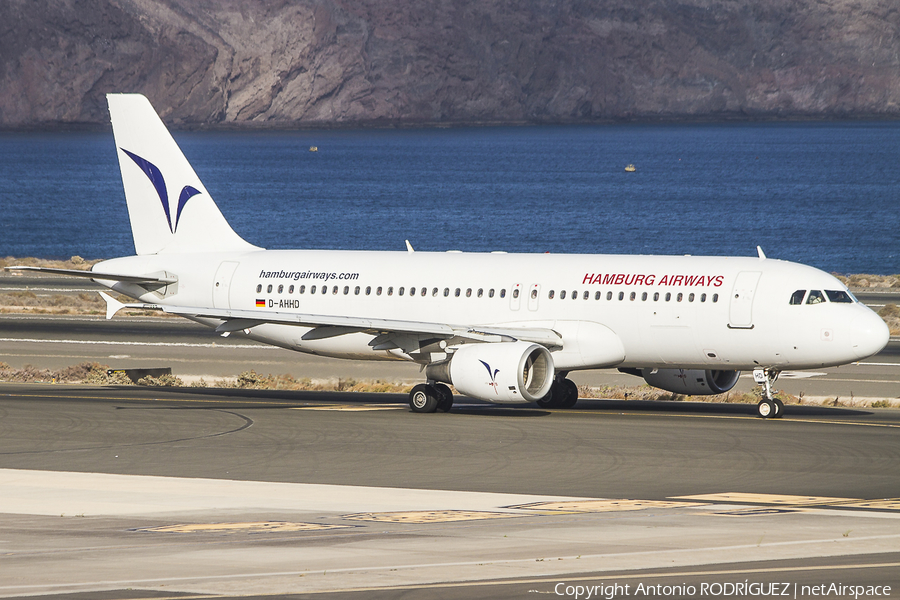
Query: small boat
{"x": 313, "y": 148}
{"x": 630, "y": 169}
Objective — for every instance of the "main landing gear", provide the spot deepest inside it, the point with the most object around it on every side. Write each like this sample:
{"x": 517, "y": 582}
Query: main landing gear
{"x": 563, "y": 393}
{"x": 430, "y": 397}
{"x": 769, "y": 407}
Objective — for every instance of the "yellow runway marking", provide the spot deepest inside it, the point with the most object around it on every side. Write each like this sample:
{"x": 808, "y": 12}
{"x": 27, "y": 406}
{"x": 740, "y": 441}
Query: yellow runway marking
{"x": 886, "y": 504}
{"x": 429, "y": 516}
{"x": 253, "y": 527}
{"x": 352, "y": 407}
{"x": 590, "y": 506}
{"x": 767, "y": 499}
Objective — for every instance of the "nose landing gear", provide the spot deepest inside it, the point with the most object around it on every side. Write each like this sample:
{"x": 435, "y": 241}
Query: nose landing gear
{"x": 769, "y": 407}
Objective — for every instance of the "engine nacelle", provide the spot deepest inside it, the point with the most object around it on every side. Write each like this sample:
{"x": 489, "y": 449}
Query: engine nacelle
{"x": 505, "y": 372}
{"x": 691, "y": 382}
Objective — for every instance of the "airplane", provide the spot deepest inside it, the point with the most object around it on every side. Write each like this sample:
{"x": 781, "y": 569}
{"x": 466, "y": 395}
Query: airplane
{"x": 503, "y": 328}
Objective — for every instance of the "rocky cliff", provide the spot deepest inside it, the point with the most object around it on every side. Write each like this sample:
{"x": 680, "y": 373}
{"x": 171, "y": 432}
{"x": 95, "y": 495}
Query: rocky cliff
{"x": 343, "y": 62}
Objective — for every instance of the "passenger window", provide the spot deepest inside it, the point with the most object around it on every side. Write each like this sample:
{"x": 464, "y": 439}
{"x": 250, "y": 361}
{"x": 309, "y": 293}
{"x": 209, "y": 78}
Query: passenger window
{"x": 609, "y": 295}
{"x": 503, "y": 293}
{"x": 815, "y": 297}
{"x": 425, "y": 291}
{"x": 680, "y": 296}
{"x": 574, "y": 294}
{"x": 516, "y": 293}
{"x": 280, "y": 289}
{"x": 533, "y": 294}
{"x": 562, "y": 295}
{"x": 446, "y": 292}
{"x": 656, "y": 296}
{"x": 324, "y": 289}
{"x": 356, "y": 291}
{"x": 481, "y": 292}
{"x": 269, "y": 289}
{"x": 412, "y": 291}
{"x": 291, "y": 290}
{"x": 597, "y": 296}
{"x": 434, "y": 292}
{"x": 491, "y": 293}
{"x": 469, "y": 293}
{"x": 347, "y": 289}
{"x": 621, "y": 296}
{"x": 690, "y": 297}
{"x": 702, "y": 297}
{"x": 715, "y": 297}
{"x": 632, "y": 296}
{"x": 550, "y": 294}
{"x": 456, "y": 293}
{"x": 400, "y": 291}
{"x": 302, "y": 289}
{"x": 587, "y": 294}
{"x": 259, "y": 288}
{"x": 668, "y": 296}
{"x": 839, "y": 296}
{"x": 797, "y": 297}
{"x": 368, "y": 290}
{"x": 378, "y": 291}
{"x": 644, "y": 297}
{"x": 334, "y": 290}
{"x": 390, "y": 291}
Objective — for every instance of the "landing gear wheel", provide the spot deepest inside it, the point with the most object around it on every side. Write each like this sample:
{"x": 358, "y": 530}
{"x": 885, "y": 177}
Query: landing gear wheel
{"x": 779, "y": 408}
{"x": 423, "y": 399}
{"x": 570, "y": 394}
{"x": 766, "y": 409}
{"x": 554, "y": 398}
{"x": 445, "y": 397}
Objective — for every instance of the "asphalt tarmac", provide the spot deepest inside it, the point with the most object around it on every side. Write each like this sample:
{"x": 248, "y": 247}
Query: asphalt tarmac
{"x": 124, "y": 492}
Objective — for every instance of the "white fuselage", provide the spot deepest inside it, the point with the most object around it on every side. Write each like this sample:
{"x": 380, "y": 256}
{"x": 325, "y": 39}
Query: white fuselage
{"x": 665, "y": 311}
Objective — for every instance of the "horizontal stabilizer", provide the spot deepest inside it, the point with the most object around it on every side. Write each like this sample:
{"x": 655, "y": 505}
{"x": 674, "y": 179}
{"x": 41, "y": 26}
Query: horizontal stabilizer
{"x": 98, "y": 275}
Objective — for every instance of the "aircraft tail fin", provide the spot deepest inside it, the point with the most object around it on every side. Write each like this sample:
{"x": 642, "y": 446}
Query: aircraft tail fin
{"x": 169, "y": 208}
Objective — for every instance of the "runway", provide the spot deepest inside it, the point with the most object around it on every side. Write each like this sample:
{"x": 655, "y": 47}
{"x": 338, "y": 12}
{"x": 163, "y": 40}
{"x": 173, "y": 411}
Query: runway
{"x": 209, "y": 493}
{"x": 224, "y": 494}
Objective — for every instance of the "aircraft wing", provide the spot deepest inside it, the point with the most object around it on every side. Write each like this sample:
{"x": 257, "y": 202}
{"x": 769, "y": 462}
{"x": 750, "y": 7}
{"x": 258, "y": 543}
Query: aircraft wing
{"x": 390, "y": 332}
{"x": 331, "y": 325}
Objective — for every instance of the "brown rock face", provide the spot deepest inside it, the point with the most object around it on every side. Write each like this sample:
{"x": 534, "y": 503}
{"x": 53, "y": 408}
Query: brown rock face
{"x": 337, "y": 62}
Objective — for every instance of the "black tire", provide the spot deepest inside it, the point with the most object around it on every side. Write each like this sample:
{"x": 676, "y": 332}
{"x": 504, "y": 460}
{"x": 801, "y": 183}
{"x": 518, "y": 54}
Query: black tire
{"x": 766, "y": 409}
{"x": 553, "y": 398}
{"x": 423, "y": 399}
{"x": 779, "y": 408}
{"x": 445, "y": 397}
{"x": 570, "y": 396}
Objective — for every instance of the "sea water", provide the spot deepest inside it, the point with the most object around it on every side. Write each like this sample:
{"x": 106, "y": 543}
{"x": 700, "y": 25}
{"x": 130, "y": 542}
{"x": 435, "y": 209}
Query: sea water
{"x": 824, "y": 194}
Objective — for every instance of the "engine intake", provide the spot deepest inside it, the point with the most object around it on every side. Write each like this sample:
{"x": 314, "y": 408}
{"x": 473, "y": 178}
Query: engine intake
{"x": 506, "y": 372}
{"x": 691, "y": 382}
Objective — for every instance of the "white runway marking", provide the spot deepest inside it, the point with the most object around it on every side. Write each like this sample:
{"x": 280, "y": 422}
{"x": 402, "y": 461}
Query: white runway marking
{"x": 167, "y": 344}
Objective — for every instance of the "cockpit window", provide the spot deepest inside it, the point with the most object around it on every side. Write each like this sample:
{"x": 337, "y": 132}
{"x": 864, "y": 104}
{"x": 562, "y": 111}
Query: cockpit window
{"x": 838, "y": 296}
{"x": 797, "y": 297}
{"x": 815, "y": 297}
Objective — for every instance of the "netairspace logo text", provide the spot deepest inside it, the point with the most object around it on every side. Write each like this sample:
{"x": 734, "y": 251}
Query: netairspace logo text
{"x": 738, "y": 589}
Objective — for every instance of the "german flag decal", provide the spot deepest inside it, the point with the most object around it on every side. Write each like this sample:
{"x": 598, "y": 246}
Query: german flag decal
{"x": 260, "y": 303}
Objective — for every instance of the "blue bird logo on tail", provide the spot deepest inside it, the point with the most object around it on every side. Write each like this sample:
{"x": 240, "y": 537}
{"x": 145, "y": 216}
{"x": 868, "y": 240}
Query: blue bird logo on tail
{"x": 159, "y": 183}
{"x": 492, "y": 375}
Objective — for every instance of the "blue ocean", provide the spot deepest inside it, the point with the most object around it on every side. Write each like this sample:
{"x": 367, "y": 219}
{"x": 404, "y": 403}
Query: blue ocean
{"x": 824, "y": 194}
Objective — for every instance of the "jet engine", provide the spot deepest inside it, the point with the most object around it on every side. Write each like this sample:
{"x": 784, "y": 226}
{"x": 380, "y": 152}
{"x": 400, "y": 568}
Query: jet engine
{"x": 505, "y": 372}
{"x": 691, "y": 382}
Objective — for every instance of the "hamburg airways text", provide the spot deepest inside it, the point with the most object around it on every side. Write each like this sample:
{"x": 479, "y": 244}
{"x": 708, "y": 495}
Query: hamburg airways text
{"x": 297, "y": 275}
{"x": 642, "y": 279}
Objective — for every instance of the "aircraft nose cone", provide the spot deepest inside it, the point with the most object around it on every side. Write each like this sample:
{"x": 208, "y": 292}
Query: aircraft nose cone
{"x": 868, "y": 335}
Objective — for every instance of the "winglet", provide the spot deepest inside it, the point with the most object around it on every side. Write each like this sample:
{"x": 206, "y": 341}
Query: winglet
{"x": 762, "y": 255}
{"x": 112, "y": 305}
{"x": 409, "y": 247}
